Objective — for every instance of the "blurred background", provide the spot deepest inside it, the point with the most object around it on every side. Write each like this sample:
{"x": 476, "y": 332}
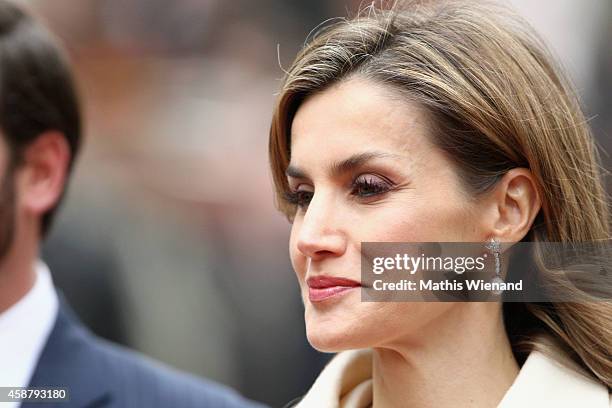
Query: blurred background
{"x": 168, "y": 241}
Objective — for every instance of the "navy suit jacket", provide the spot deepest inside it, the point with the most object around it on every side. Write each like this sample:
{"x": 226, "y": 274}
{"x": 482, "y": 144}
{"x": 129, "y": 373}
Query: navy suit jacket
{"x": 100, "y": 374}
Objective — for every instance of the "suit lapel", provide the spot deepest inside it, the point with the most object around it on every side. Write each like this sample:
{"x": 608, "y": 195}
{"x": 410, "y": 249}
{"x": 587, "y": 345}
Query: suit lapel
{"x": 69, "y": 360}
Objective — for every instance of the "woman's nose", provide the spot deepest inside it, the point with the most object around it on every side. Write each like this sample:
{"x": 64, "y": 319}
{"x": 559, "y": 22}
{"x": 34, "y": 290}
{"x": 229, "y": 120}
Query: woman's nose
{"x": 321, "y": 233}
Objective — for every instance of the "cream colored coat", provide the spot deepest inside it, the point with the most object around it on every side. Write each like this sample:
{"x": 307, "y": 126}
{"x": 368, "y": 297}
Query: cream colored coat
{"x": 346, "y": 382}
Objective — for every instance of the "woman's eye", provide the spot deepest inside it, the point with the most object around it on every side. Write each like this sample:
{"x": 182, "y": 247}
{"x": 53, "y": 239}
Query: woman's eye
{"x": 301, "y": 198}
{"x": 370, "y": 185}
{"x": 364, "y": 186}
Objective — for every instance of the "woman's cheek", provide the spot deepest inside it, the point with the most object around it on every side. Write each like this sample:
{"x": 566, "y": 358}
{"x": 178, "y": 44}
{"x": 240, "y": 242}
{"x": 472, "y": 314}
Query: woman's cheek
{"x": 417, "y": 220}
{"x": 390, "y": 225}
{"x": 298, "y": 260}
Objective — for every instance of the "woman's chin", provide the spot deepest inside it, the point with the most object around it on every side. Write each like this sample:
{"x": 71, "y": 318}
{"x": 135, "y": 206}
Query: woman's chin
{"x": 326, "y": 343}
{"x": 333, "y": 338}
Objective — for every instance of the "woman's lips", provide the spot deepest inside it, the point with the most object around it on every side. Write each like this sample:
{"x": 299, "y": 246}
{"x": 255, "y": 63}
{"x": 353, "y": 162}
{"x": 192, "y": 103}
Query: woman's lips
{"x": 324, "y": 287}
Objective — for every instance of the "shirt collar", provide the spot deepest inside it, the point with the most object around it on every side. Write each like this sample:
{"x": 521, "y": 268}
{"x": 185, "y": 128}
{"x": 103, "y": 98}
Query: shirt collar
{"x": 25, "y": 327}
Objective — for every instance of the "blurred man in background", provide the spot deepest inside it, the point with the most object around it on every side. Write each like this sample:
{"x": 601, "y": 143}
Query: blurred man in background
{"x": 42, "y": 344}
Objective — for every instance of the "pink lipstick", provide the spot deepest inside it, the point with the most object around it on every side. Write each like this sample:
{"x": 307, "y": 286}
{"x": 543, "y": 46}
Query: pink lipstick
{"x": 324, "y": 287}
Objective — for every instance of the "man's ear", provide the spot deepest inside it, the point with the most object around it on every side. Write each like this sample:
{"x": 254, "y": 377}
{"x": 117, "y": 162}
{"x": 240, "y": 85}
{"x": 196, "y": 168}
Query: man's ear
{"x": 42, "y": 172}
{"x": 513, "y": 206}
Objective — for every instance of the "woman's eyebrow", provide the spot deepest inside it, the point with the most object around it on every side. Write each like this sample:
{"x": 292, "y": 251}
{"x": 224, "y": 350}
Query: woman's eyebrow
{"x": 356, "y": 161}
{"x": 343, "y": 166}
{"x": 295, "y": 172}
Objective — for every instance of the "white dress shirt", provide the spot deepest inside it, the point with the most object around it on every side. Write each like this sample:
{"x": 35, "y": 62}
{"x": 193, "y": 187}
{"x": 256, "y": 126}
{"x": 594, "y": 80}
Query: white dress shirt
{"x": 24, "y": 329}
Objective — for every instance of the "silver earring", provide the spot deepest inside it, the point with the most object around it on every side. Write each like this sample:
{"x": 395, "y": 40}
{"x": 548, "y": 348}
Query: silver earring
{"x": 494, "y": 246}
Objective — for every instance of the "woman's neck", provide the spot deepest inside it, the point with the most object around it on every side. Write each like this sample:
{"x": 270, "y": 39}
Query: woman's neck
{"x": 463, "y": 359}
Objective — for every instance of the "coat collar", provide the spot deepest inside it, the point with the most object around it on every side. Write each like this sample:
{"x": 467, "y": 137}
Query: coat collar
{"x": 68, "y": 360}
{"x": 543, "y": 381}
{"x": 347, "y": 382}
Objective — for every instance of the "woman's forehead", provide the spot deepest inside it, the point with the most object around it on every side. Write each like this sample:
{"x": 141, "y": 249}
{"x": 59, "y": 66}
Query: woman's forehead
{"x": 355, "y": 115}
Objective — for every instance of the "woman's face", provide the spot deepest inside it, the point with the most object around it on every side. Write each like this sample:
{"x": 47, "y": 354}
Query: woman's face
{"x": 363, "y": 169}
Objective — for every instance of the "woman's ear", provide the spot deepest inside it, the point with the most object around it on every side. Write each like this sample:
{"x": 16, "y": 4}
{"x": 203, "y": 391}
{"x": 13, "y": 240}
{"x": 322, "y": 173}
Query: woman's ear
{"x": 42, "y": 173}
{"x": 513, "y": 205}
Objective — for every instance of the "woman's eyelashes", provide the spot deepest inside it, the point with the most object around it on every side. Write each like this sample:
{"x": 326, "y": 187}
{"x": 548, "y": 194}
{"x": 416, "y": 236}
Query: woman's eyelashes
{"x": 365, "y": 187}
{"x": 369, "y": 185}
{"x": 300, "y": 198}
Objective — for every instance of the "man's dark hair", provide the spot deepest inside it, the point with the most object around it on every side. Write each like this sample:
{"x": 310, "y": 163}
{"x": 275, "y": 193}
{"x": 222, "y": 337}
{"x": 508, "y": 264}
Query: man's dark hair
{"x": 37, "y": 91}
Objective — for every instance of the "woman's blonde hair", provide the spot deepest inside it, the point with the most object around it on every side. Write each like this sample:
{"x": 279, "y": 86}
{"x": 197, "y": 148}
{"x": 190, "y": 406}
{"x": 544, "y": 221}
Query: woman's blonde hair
{"x": 495, "y": 101}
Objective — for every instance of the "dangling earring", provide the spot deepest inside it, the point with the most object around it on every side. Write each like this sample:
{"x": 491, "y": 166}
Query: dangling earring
{"x": 494, "y": 246}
